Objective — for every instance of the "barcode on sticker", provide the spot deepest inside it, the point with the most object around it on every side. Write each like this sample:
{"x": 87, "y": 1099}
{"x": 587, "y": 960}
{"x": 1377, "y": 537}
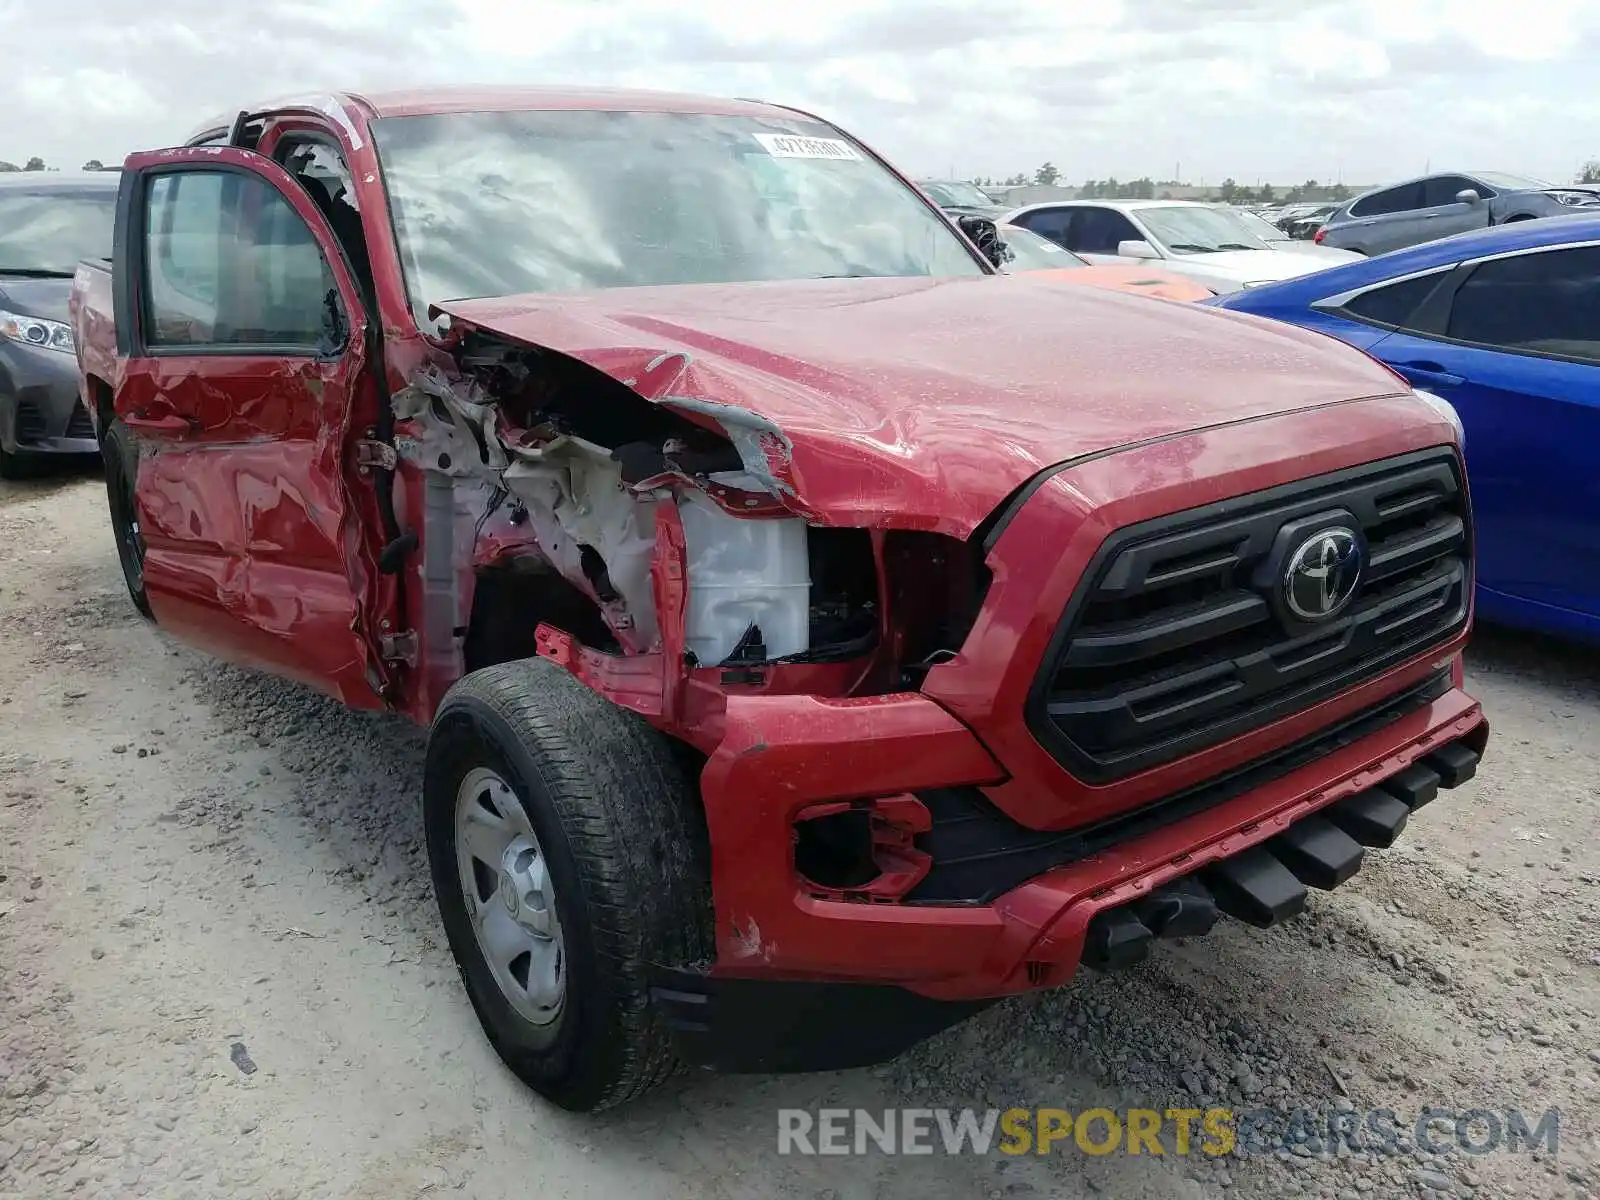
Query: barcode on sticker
{"x": 789, "y": 145}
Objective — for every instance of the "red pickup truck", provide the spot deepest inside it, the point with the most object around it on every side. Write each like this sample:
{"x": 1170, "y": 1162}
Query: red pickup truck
{"x": 822, "y": 634}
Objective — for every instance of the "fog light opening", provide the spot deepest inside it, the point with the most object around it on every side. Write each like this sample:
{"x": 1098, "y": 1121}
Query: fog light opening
{"x": 862, "y": 850}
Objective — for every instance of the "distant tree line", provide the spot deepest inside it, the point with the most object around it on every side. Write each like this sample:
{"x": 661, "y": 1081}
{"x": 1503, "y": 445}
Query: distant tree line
{"x": 37, "y": 164}
{"x": 1228, "y": 190}
{"x": 1156, "y": 189}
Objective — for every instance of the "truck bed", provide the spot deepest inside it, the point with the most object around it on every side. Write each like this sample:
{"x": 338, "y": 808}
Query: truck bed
{"x": 94, "y": 333}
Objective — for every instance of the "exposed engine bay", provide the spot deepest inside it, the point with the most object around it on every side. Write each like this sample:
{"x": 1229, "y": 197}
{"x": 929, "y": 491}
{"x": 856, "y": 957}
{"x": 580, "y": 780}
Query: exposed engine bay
{"x": 549, "y": 483}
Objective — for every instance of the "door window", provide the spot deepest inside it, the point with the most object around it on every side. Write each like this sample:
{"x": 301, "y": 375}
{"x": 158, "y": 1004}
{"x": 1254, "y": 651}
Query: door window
{"x": 1394, "y": 304}
{"x": 1053, "y": 223}
{"x": 1392, "y": 200}
{"x": 1442, "y": 189}
{"x": 1100, "y": 230}
{"x": 228, "y": 262}
{"x": 1544, "y": 303}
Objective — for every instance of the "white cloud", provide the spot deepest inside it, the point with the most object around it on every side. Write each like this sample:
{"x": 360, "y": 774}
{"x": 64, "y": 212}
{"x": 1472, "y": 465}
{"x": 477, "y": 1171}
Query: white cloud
{"x": 1277, "y": 89}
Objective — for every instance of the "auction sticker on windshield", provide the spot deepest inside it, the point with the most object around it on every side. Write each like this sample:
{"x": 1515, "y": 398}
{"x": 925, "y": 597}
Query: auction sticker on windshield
{"x": 789, "y": 145}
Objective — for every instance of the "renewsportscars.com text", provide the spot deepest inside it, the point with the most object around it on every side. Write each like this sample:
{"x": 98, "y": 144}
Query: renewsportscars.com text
{"x": 1177, "y": 1131}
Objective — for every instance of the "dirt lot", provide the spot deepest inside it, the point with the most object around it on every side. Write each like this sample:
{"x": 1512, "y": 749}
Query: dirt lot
{"x": 221, "y": 972}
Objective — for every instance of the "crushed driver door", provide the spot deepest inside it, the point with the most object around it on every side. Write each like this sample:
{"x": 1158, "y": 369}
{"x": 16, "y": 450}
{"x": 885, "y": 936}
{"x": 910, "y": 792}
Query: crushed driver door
{"x": 243, "y": 337}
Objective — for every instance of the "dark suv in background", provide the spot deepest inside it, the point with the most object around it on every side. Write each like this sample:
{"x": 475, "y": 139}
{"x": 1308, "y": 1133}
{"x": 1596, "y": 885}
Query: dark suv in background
{"x": 1436, "y": 206}
{"x": 48, "y": 222}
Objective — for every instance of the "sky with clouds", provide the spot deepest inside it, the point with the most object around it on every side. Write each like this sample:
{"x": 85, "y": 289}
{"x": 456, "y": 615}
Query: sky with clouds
{"x": 1285, "y": 90}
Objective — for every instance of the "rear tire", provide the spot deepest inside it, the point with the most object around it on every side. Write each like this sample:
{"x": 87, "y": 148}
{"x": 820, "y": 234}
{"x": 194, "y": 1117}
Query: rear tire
{"x": 610, "y": 831}
{"x": 121, "y": 458}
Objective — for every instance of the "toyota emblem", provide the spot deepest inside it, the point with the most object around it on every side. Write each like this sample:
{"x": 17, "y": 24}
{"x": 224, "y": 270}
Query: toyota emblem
{"x": 1322, "y": 573}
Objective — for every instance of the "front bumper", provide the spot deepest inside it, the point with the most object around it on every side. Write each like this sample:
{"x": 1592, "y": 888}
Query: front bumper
{"x": 804, "y": 982}
{"x": 40, "y": 412}
{"x": 1005, "y": 872}
{"x": 767, "y": 772}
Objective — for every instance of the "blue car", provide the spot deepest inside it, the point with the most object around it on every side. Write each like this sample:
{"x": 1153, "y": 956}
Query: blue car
{"x": 1503, "y": 323}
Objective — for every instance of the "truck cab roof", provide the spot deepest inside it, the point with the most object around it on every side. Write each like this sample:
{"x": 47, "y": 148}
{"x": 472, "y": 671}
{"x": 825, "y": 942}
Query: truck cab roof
{"x": 410, "y": 102}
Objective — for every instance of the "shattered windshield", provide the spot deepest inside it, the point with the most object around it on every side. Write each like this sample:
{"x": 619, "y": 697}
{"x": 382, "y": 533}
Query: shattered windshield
{"x": 1200, "y": 230}
{"x": 501, "y": 203}
{"x": 47, "y": 232}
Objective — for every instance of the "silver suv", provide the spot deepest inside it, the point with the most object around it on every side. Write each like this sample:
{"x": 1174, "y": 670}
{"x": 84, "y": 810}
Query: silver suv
{"x": 1436, "y": 206}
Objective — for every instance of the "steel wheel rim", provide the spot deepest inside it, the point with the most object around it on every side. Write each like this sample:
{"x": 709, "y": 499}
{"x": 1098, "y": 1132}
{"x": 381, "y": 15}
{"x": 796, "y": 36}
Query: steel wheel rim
{"x": 510, "y": 897}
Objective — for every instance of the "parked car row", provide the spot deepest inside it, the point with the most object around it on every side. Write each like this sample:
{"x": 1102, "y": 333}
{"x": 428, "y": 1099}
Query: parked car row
{"x": 1224, "y": 248}
{"x": 1299, "y": 221}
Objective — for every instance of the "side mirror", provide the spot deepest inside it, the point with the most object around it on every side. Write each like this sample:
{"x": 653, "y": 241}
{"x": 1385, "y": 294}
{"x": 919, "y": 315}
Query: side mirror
{"x": 1136, "y": 248}
{"x": 985, "y": 235}
{"x": 1468, "y": 196}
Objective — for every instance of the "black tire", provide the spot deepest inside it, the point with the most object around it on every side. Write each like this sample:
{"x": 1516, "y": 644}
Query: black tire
{"x": 624, "y": 840}
{"x": 121, "y": 458}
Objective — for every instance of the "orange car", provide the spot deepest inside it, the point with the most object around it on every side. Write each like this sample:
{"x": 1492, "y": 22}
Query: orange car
{"x": 1030, "y": 252}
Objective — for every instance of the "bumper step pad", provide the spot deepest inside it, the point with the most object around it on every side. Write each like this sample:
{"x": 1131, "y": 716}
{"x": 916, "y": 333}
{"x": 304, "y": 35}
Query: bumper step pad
{"x": 1183, "y": 908}
{"x": 1266, "y": 884}
{"x": 1455, "y": 763}
{"x": 1320, "y": 854}
{"x": 1415, "y": 786}
{"x": 1254, "y": 887}
{"x": 1117, "y": 939}
{"x": 1373, "y": 818}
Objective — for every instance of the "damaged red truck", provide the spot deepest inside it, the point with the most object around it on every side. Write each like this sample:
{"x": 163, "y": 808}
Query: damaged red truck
{"x": 822, "y": 635}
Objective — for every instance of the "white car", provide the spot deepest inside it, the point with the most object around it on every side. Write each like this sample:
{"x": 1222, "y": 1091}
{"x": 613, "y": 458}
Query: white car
{"x": 1217, "y": 245}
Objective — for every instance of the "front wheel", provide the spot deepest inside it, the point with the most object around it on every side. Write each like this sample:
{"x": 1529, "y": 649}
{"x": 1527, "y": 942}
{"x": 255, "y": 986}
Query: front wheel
{"x": 568, "y": 855}
{"x": 121, "y": 458}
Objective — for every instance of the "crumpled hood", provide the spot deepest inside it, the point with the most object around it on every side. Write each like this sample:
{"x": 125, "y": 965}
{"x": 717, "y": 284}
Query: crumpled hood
{"x": 922, "y": 403}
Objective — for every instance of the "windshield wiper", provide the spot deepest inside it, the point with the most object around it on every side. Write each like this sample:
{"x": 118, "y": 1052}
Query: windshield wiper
{"x": 1191, "y": 247}
{"x": 1237, "y": 246}
{"x": 35, "y": 273}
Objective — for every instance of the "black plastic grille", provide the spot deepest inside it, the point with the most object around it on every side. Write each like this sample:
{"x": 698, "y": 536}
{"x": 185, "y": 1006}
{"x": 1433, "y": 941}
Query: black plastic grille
{"x": 30, "y": 422}
{"x": 79, "y": 425}
{"x": 1179, "y": 638}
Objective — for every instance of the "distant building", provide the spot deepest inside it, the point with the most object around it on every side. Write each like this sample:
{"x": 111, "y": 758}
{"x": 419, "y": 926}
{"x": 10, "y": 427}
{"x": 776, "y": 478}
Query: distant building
{"x": 1031, "y": 193}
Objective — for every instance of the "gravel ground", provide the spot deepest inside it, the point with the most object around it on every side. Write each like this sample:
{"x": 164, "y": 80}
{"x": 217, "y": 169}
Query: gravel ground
{"x": 221, "y": 971}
